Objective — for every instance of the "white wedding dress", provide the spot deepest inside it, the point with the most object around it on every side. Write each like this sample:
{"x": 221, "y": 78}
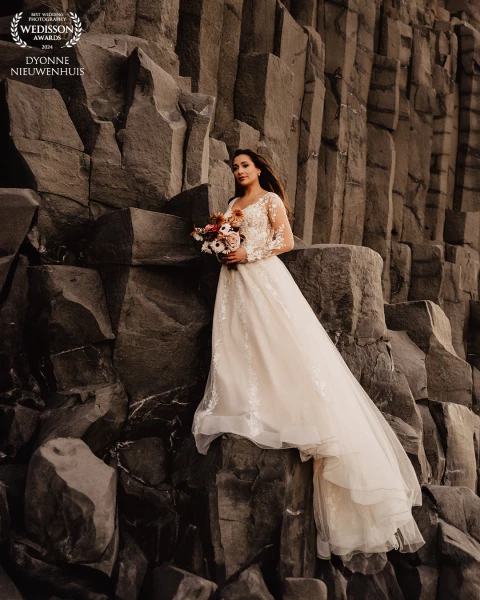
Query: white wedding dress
{"x": 277, "y": 379}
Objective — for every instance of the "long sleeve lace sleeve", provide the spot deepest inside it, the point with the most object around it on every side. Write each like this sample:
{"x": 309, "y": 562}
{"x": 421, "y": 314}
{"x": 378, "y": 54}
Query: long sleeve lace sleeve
{"x": 282, "y": 239}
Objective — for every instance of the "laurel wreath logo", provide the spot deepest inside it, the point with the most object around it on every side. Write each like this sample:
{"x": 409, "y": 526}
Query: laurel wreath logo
{"x": 78, "y": 31}
{"x": 14, "y": 30}
{"x": 18, "y": 40}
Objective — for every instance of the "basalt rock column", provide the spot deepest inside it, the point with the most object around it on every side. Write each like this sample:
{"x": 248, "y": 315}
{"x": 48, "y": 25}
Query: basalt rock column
{"x": 159, "y": 321}
{"x": 264, "y": 99}
{"x": 154, "y": 129}
{"x": 467, "y": 182}
{"x": 310, "y": 125}
{"x": 291, "y": 48}
{"x": 347, "y": 31}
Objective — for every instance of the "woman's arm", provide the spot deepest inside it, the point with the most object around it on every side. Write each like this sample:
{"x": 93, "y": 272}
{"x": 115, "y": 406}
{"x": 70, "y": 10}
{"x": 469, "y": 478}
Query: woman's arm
{"x": 283, "y": 238}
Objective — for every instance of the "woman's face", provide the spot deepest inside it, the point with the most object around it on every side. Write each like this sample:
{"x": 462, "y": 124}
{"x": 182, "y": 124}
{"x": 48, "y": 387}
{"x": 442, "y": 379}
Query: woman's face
{"x": 244, "y": 169}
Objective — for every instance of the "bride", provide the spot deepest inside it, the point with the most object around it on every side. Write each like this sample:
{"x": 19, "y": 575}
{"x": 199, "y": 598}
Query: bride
{"x": 277, "y": 379}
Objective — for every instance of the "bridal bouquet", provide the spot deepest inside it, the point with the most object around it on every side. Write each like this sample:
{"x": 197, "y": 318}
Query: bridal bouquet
{"x": 221, "y": 236}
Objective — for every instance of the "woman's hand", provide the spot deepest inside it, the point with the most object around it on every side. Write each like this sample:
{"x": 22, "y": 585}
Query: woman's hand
{"x": 234, "y": 257}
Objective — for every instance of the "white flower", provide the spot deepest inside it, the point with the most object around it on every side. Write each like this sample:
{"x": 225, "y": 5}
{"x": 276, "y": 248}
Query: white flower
{"x": 225, "y": 228}
{"x": 217, "y": 246}
{"x": 206, "y": 248}
{"x": 232, "y": 240}
{"x": 197, "y": 237}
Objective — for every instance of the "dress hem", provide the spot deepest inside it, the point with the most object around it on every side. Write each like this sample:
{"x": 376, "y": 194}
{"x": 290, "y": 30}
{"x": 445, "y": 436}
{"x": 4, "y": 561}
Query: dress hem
{"x": 308, "y": 450}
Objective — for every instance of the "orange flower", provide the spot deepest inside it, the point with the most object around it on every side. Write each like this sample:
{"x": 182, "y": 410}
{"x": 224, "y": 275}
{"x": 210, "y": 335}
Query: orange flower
{"x": 217, "y": 218}
{"x": 237, "y": 214}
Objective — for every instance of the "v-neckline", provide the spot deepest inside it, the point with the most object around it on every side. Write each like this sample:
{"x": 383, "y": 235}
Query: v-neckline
{"x": 253, "y": 203}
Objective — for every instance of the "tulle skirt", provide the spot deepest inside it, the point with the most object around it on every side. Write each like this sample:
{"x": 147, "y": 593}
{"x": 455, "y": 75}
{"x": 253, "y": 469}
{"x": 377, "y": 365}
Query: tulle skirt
{"x": 277, "y": 379}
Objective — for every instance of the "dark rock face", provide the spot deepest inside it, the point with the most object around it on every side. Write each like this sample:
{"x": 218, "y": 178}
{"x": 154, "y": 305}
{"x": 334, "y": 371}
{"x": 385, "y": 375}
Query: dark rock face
{"x": 96, "y": 416}
{"x": 70, "y": 501}
{"x": 132, "y": 566}
{"x": 254, "y": 498}
{"x": 131, "y": 237}
{"x": 369, "y": 111}
{"x": 171, "y": 582}
{"x": 18, "y": 207}
{"x": 249, "y": 584}
{"x": 145, "y": 460}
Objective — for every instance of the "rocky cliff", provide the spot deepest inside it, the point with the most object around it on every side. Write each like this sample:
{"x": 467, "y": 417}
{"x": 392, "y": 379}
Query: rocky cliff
{"x": 370, "y": 110}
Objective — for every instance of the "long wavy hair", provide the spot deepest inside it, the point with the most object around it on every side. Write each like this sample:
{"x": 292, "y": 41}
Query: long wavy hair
{"x": 268, "y": 178}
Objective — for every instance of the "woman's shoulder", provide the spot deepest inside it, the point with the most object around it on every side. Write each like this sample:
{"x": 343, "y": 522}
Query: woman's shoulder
{"x": 231, "y": 202}
{"x": 274, "y": 203}
{"x": 270, "y": 196}
{"x": 272, "y": 199}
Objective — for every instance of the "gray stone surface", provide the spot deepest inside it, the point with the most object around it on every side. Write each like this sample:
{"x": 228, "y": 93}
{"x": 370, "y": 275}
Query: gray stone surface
{"x": 433, "y": 446}
{"x": 39, "y": 114}
{"x": 250, "y": 489}
{"x": 266, "y": 75}
{"x": 12, "y": 55}
{"x": 163, "y": 353}
{"x": 157, "y": 21}
{"x": 291, "y": 47}
{"x": 18, "y": 424}
{"x": 377, "y": 229}
{"x": 94, "y": 414}
{"x": 427, "y": 274}
{"x": 466, "y": 197}
{"x": 241, "y": 135}
{"x": 198, "y": 47}
{"x": 150, "y": 517}
{"x": 95, "y": 97}
{"x": 449, "y": 377}
{"x": 71, "y": 310}
{"x": 440, "y": 159}
{"x": 47, "y": 140}
{"x": 198, "y": 111}
{"x": 145, "y": 459}
{"x": 310, "y": 126}
{"x": 400, "y": 272}
{"x": 297, "y": 588}
{"x": 229, "y": 50}
{"x": 410, "y": 360}
{"x": 258, "y": 26}
{"x": 417, "y": 184}
{"x": 139, "y": 237}
{"x": 249, "y": 584}
{"x": 349, "y": 45}
{"x": 154, "y": 130}
{"x": 29, "y": 560}
{"x": 384, "y": 94}
{"x": 65, "y": 480}
{"x": 455, "y": 426}
{"x": 18, "y": 206}
{"x": 58, "y": 233}
{"x": 132, "y": 566}
{"x": 83, "y": 367}
{"x": 172, "y": 583}
{"x": 18, "y": 385}
{"x": 321, "y": 273}
{"x": 7, "y": 587}
{"x": 4, "y": 513}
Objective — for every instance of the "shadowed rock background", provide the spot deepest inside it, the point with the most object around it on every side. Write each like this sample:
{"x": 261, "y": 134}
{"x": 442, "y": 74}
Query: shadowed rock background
{"x": 369, "y": 109}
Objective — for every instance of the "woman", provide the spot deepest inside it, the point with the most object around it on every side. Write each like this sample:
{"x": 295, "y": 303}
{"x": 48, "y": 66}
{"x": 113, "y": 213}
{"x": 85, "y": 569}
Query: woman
{"x": 277, "y": 379}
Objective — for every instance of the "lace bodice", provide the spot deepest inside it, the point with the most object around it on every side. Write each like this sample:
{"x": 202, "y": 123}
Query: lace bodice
{"x": 265, "y": 227}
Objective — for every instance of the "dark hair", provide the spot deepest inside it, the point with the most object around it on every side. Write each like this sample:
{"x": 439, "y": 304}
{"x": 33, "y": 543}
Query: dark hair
{"x": 268, "y": 178}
